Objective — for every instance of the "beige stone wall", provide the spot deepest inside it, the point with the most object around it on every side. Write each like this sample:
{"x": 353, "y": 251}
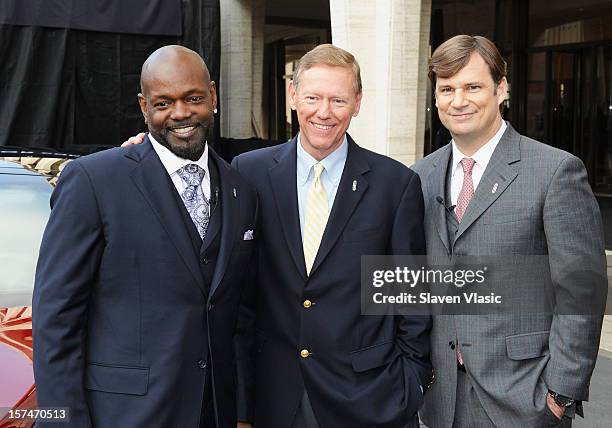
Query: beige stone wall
{"x": 258, "y": 124}
{"x": 241, "y": 85}
{"x": 390, "y": 40}
{"x": 236, "y": 86}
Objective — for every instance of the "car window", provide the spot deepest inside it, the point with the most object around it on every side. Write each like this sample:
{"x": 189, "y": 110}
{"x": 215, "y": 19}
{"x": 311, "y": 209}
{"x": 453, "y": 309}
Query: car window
{"x": 24, "y": 207}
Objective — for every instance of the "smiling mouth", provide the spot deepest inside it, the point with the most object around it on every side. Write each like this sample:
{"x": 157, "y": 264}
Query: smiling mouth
{"x": 462, "y": 115}
{"x": 183, "y": 131}
{"x": 321, "y": 126}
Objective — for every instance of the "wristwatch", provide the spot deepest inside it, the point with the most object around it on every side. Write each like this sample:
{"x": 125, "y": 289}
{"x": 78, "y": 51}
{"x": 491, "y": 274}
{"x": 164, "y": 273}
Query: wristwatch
{"x": 561, "y": 400}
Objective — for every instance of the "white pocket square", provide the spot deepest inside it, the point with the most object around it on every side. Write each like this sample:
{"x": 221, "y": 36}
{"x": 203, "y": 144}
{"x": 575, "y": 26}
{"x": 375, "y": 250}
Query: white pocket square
{"x": 248, "y": 235}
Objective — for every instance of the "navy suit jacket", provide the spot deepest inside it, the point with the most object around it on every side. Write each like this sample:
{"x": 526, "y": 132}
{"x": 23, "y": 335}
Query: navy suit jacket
{"x": 125, "y": 329}
{"x": 362, "y": 370}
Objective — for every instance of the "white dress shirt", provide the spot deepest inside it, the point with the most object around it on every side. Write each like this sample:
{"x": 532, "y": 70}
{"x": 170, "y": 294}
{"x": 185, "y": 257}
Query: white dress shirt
{"x": 481, "y": 158}
{"x": 173, "y": 163}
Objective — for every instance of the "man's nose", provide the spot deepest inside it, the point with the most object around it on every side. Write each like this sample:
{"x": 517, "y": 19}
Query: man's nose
{"x": 181, "y": 111}
{"x": 324, "y": 110}
{"x": 459, "y": 99}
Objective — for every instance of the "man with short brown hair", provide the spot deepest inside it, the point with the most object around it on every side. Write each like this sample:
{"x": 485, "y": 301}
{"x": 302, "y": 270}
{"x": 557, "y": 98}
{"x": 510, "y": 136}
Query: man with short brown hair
{"x": 495, "y": 192}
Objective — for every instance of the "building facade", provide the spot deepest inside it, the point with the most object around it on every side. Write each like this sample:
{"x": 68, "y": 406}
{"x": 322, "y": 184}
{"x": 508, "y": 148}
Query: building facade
{"x": 559, "y": 58}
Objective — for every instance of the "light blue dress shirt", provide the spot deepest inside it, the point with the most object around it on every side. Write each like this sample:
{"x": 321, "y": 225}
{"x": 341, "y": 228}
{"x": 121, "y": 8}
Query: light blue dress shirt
{"x": 330, "y": 178}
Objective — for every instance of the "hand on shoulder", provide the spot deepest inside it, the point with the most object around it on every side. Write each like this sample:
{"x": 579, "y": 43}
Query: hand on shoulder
{"x": 136, "y": 139}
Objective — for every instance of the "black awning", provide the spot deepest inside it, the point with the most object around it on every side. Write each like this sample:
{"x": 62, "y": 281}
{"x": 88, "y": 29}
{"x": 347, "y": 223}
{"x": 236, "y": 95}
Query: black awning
{"x": 151, "y": 17}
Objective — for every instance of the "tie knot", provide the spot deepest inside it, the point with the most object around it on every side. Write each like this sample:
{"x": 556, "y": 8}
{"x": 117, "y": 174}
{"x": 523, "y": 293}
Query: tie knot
{"x": 191, "y": 174}
{"x": 318, "y": 170}
{"x": 468, "y": 165}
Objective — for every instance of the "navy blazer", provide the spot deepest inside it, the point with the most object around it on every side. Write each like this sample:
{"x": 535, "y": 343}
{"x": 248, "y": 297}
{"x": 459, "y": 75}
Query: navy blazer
{"x": 362, "y": 371}
{"x": 125, "y": 330}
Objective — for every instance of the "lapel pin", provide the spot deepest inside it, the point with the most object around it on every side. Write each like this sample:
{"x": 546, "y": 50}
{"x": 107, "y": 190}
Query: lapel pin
{"x": 354, "y": 185}
{"x": 494, "y": 188}
{"x": 234, "y": 191}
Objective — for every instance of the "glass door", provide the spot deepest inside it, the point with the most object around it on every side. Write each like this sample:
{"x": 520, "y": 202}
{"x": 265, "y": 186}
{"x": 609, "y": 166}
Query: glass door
{"x": 596, "y": 118}
{"x": 564, "y": 110}
{"x": 569, "y": 106}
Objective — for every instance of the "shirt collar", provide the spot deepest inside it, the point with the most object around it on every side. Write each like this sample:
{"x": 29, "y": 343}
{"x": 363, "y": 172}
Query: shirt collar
{"x": 483, "y": 155}
{"x": 333, "y": 163}
{"x": 173, "y": 163}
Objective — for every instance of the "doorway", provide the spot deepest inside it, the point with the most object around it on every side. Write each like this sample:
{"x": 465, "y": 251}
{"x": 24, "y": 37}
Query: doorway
{"x": 283, "y": 55}
{"x": 569, "y": 106}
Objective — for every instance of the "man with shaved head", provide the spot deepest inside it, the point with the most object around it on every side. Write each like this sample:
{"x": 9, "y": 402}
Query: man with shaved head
{"x": 141, "y": 268}
{"x": 183, "y": 70}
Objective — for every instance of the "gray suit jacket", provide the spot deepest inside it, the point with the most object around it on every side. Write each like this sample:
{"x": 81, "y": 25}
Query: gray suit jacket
{"x": 542, "y": 205}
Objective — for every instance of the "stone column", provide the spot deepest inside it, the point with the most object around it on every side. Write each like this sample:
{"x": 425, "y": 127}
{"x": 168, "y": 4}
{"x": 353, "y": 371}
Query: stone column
{"x": 242, "y": 37}
{"x": 390, "y": 39}
{"x": 259, "y": 127}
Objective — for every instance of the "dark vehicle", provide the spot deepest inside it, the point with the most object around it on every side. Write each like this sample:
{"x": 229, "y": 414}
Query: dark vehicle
{"x": 27, "y": 178}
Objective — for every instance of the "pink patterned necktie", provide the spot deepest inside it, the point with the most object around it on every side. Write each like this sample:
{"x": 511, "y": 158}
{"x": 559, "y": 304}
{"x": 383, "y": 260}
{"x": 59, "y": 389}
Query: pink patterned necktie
{"x": 467, "y": 190}
{"x": 465, "y": 196}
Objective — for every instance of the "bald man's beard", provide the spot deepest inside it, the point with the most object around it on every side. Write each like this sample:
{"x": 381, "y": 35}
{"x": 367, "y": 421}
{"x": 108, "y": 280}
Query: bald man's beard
{"x": 191, "y": 148}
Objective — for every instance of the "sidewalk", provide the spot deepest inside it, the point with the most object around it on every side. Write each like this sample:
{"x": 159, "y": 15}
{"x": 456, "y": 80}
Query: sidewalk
{"x": 606, "y": 335}
{"x": 606, "y": 331}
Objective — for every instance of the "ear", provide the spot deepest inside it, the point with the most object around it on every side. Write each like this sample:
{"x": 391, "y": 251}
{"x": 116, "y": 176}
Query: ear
{"x": 292, "y": 96}
{"x": 213, "y": 94}
{"x": 143, "y": 106}
{"x": 502, "y": 89}
{"x": 357, "y": 104}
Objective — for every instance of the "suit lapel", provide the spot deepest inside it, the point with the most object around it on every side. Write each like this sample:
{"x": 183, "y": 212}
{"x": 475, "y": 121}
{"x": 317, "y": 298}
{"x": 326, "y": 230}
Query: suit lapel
{"x": 346, "y": 200}
{"x": 500, "y": 173}
{"x": 229, "y": 194}
{"x": 153, "y": 182}
{"x": 436, "y": 190}
{"x": 284, "y": 185}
